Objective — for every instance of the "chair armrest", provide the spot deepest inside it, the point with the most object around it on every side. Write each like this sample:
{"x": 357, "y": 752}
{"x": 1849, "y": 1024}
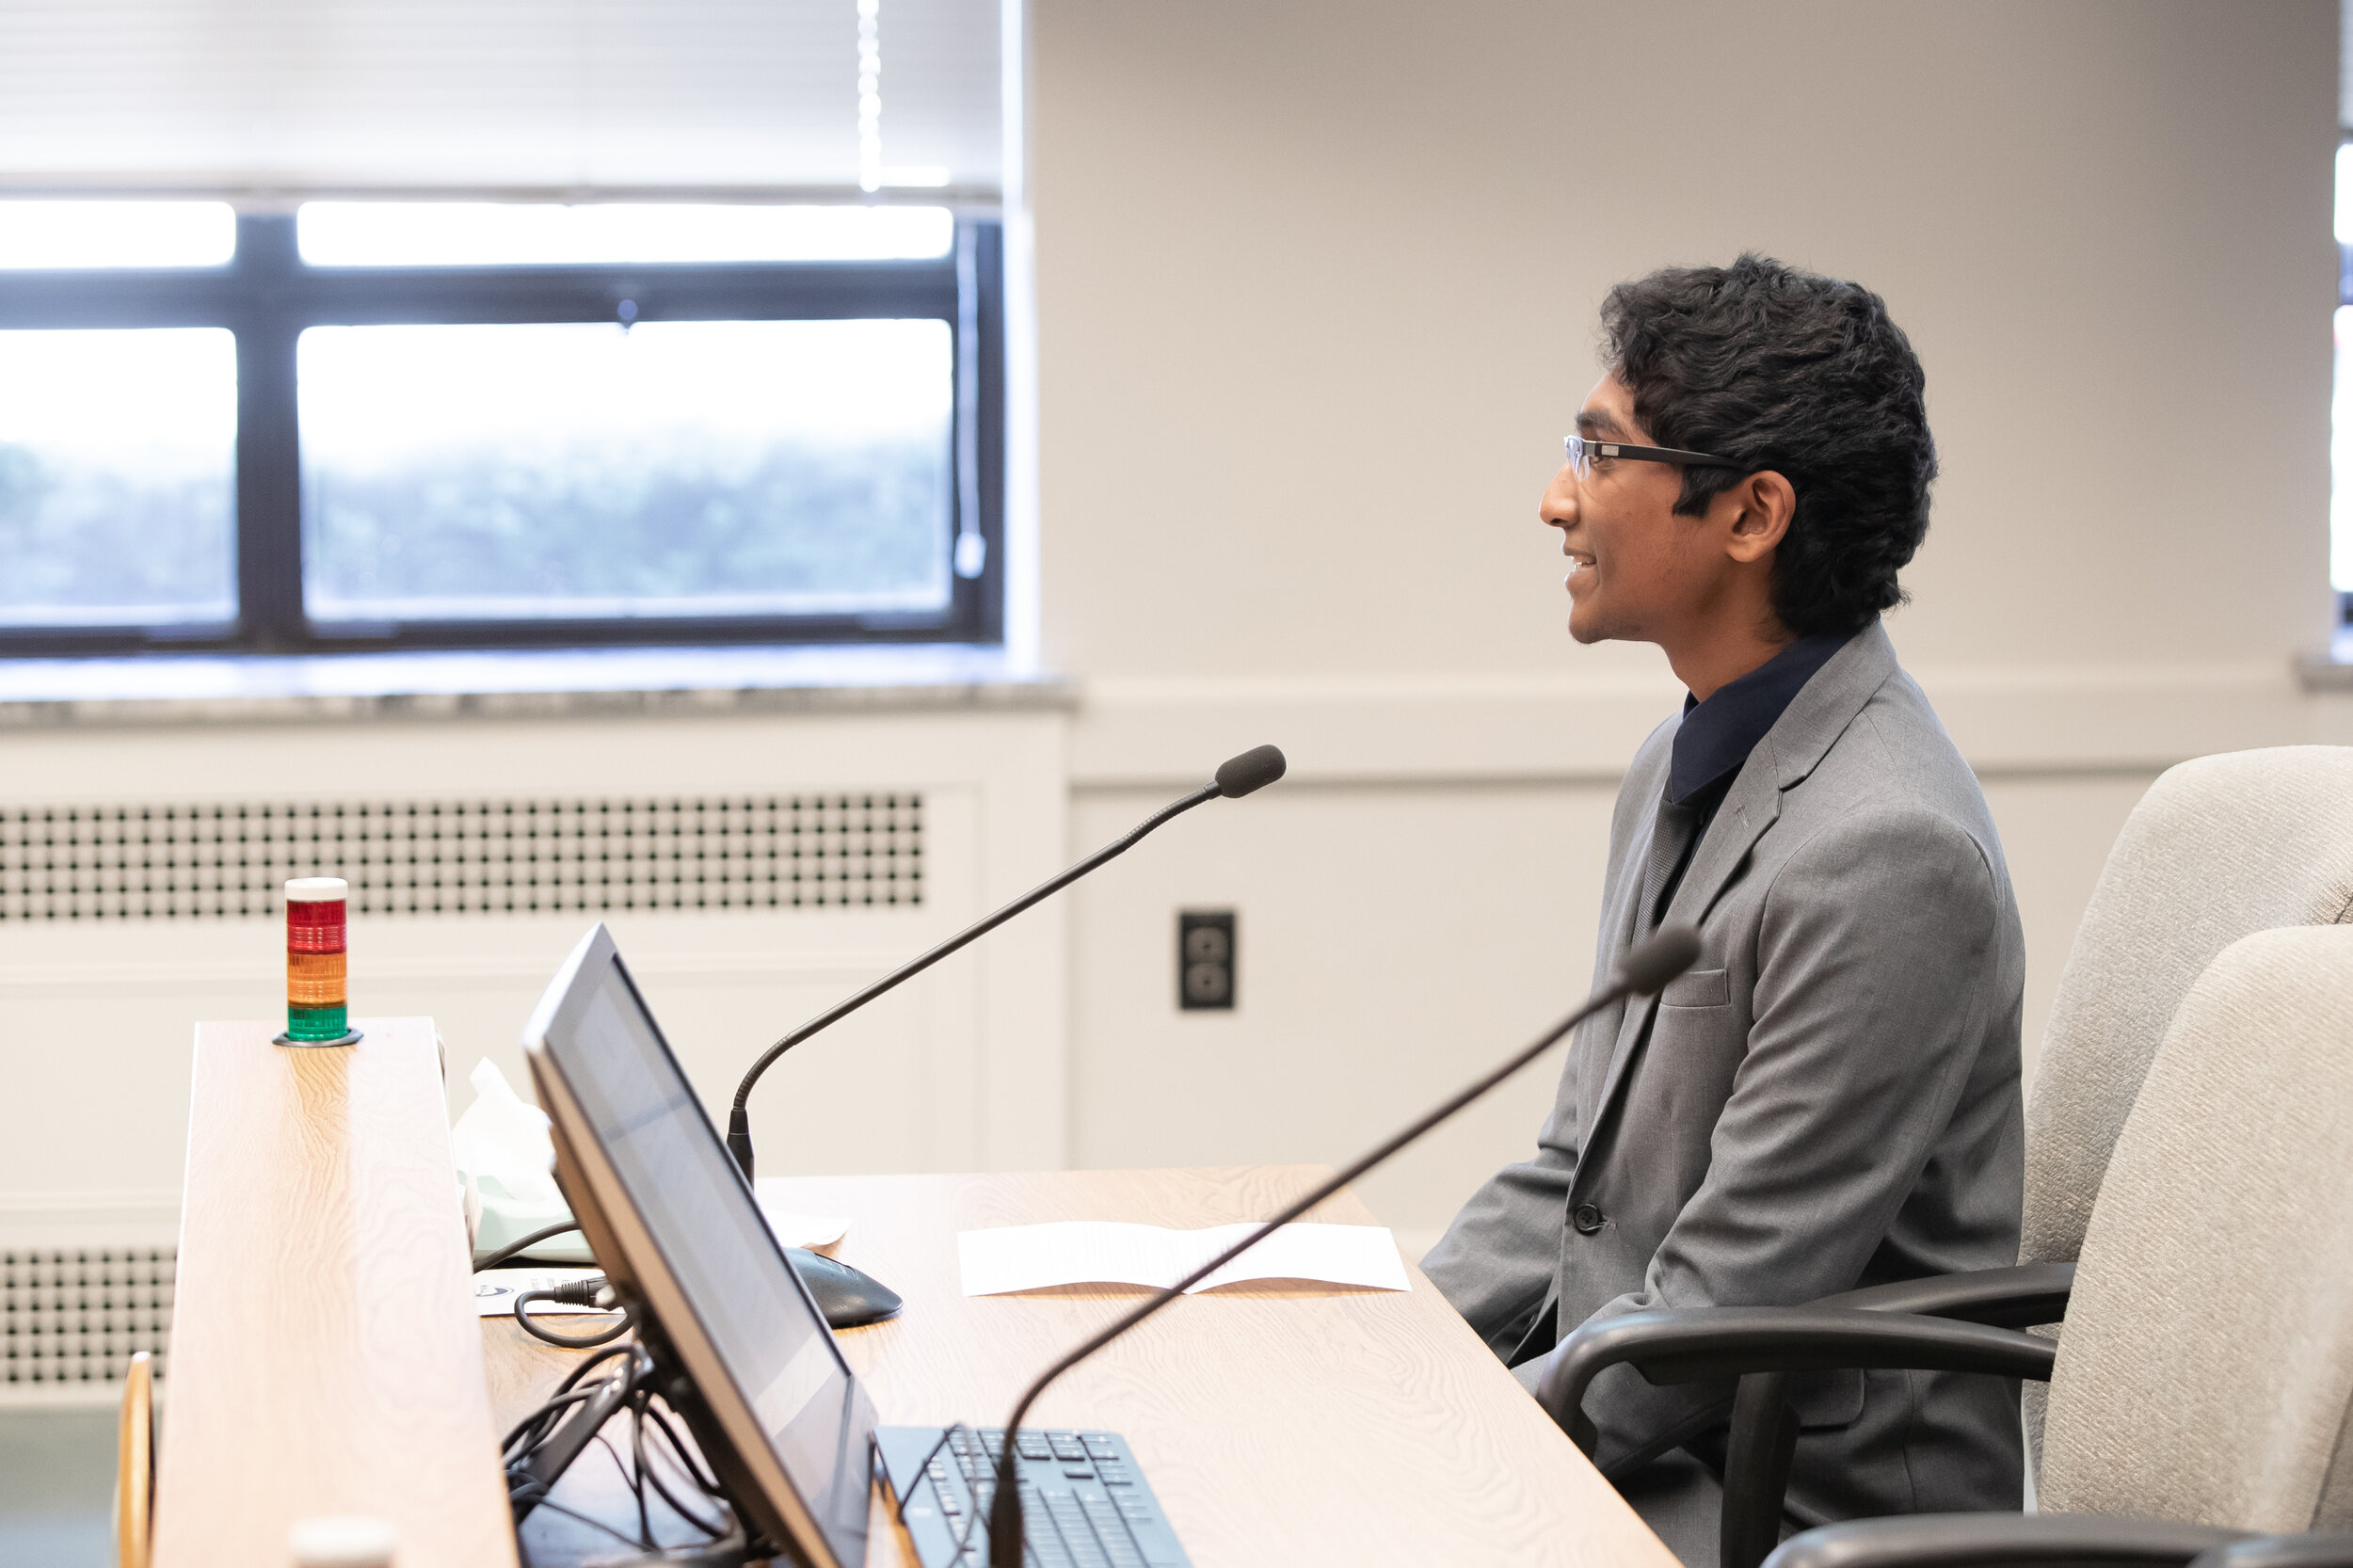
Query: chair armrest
{"x": 1695, "y": 1343}
{"x": 1762, "y": 1442}
{"x": 2021, "y": 1297}
{"x": 2001, "y": 1541}
{"x": 2280, "y": 1551}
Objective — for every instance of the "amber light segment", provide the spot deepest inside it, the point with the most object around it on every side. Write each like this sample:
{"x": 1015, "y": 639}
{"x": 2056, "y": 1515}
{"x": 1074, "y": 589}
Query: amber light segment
{"x": 314, "y": 979}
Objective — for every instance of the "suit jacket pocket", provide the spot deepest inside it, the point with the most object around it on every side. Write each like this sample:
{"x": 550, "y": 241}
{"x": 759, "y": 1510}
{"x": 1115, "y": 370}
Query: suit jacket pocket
{"x": 1824, "y": 1399}
{"x": 1698, "y": 988}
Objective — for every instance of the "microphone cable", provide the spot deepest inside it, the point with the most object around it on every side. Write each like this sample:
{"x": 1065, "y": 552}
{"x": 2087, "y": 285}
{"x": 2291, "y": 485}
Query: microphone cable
{"x": 517, "y": 1248}
{"x": 595, "y": 1291}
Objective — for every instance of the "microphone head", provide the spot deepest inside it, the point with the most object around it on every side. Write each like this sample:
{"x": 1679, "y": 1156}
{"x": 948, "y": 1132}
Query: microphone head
{"x": 1254, "y": 769}
{"x": 1670, "y": 950}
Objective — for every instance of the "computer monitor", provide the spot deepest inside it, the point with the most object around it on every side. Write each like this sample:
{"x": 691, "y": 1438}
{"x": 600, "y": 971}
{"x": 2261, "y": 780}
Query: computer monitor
{"x": 673, "y": 1223}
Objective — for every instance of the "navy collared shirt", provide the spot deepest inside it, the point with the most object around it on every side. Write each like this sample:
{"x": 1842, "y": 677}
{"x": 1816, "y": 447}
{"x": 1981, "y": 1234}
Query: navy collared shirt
{"x": 1717, "y": 735}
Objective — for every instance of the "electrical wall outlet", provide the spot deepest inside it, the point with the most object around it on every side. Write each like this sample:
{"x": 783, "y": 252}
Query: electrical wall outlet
{"x": 1204, "y": 960}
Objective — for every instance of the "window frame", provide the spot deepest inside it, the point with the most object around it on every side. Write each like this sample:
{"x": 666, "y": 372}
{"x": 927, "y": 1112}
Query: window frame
{"x": 267, "y": 295}
{"x": 2336, "y": 372}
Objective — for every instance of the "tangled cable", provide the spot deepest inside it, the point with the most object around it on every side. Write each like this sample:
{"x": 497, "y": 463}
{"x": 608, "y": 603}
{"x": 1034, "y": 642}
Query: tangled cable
{"x": 595, "y": 1291}
{"x": 655, "y": 1444}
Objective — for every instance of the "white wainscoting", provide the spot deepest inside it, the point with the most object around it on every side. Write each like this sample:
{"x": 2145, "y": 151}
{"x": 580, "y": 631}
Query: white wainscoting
{"x": 1419, "y": 896}
{"x": 964, "y": 1068}
{"x": 1414, "y": 898}
{"x": 1364, "y": 729}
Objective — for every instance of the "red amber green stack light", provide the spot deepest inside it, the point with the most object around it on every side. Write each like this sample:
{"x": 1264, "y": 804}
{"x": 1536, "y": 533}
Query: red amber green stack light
{"x": 315, "y": 958}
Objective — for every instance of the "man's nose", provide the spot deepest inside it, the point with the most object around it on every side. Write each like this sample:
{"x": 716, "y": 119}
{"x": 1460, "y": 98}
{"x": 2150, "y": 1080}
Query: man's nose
{"x": 1558, "y": 508}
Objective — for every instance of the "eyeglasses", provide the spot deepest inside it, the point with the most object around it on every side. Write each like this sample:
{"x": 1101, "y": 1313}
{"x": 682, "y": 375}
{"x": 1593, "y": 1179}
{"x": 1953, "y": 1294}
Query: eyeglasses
{"x": 1583, "y": 451}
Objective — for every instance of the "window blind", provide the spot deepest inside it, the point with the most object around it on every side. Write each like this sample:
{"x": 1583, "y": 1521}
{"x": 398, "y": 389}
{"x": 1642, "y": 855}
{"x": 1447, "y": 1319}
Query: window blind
{"x": 554, "y": 97}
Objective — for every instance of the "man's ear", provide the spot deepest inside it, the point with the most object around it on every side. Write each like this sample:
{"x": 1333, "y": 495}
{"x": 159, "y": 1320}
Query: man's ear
{"x": 1760, "y": 507}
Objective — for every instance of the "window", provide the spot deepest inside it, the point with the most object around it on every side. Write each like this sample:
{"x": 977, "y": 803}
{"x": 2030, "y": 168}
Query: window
{"x": 454, "y": 424}
{"x": 118, "y": 477}
{"x": 2341, "y": 412}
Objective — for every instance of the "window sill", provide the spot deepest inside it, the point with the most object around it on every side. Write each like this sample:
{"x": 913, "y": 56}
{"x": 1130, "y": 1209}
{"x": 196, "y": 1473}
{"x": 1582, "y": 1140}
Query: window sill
{"x": 535, "y": 684}
{"x": 2331, "y": 669}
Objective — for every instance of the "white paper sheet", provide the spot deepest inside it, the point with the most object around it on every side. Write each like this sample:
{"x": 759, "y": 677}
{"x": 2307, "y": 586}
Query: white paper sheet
{"x": 1097, "y": 1252}
{"x": 798, "y": 1230}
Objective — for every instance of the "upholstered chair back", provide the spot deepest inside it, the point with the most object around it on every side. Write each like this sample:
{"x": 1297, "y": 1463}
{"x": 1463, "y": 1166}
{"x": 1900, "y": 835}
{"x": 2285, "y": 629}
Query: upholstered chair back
{"x": 2206, "y": 1372}
{"x": 2219, "y": 847}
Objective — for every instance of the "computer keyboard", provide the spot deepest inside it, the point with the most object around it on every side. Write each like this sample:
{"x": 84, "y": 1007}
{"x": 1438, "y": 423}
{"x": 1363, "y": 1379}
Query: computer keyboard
{"x": 1084, "y": 1502}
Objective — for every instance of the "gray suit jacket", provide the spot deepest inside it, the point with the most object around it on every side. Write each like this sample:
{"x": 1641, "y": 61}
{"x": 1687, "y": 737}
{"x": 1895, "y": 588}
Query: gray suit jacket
{"x": 1828, "y": 1099}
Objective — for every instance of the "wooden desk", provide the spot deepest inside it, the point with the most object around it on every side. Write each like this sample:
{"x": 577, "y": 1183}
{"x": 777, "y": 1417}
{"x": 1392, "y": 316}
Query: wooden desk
{"x": 1279, "y": 1425}
{"x": 325, "y": 1355}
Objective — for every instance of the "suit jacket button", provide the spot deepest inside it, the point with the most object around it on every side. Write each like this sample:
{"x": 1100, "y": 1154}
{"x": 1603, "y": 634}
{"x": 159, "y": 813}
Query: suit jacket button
{"x": 1586, "y": 1218}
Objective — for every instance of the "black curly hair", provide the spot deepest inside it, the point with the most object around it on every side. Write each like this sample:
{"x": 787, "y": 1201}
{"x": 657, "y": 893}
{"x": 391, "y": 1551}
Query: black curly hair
{"x": 1786, "y": 370}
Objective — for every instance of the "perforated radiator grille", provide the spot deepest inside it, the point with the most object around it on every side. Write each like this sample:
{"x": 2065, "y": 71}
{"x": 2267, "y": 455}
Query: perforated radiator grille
{"x": 76, "y": 1317}
{"x": 166, "y": 861}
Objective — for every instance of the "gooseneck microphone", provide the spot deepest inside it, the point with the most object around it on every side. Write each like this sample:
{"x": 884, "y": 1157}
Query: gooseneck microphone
{"x": 1644, "y": 970}
{"x": 1236, "y": 776}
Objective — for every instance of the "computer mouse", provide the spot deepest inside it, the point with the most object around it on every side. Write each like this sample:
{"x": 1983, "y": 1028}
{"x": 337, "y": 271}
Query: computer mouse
{"x": 846, "y": 1296}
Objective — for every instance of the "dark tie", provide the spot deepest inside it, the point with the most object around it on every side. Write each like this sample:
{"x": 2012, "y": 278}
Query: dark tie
{"x": 1669, "y": 847}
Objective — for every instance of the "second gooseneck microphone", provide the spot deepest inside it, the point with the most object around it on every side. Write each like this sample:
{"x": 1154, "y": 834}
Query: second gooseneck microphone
{"x": 1643, "y": 971}
{"x": 1236, "y": 776}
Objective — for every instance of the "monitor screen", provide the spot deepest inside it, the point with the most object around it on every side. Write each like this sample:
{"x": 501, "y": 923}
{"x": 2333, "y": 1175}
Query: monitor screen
{"x": 712, "y": 1239}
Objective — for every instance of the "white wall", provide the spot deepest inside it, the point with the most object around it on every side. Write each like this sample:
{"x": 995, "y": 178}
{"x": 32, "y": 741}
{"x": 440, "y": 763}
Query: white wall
{"x": 1315, "y": 293}
{"x": 1317, "y": 283}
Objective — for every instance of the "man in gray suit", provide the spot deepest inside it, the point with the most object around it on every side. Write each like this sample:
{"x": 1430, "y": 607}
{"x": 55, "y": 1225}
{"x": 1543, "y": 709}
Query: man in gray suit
{"x": 1830, "y": 1098}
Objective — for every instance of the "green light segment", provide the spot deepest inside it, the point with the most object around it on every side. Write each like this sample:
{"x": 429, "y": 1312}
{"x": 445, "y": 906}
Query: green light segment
{"x": 316, "y": 1023}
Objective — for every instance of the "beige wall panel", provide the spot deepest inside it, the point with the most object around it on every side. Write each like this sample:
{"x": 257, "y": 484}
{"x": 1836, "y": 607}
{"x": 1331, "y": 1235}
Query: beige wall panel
{"x": 1394, "y": 941}
{"x": 2056, "y": 833}
{"x": 1393, "y": 944}
{"x": 1316, "y": 287}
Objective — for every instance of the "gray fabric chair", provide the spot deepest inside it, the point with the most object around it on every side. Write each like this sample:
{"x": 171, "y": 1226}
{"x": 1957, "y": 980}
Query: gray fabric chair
{"x": 2219, "y": 847}
{"x": 2204, "y": 1385}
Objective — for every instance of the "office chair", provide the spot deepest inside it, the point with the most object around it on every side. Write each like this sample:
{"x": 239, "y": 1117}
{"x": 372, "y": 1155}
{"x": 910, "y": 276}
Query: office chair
{"x": 135, "y": 1464}
{"x": 2206, "y": 1375}
{"x": 2219, "y": 847}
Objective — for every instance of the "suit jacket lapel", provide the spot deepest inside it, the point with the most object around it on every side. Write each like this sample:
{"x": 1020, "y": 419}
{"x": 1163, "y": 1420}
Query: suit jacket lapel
{"x": 1816, "y": 717}
{"x": 1748, "y": 810}
{"x": 1620, "y": 918}
{"x": 1750, "y": 807}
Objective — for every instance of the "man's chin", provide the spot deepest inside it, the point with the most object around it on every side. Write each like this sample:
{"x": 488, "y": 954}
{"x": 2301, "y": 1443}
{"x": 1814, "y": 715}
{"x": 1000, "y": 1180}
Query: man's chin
{"x": 1588, "y": 628}
{"x": 1594, "y": 623}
